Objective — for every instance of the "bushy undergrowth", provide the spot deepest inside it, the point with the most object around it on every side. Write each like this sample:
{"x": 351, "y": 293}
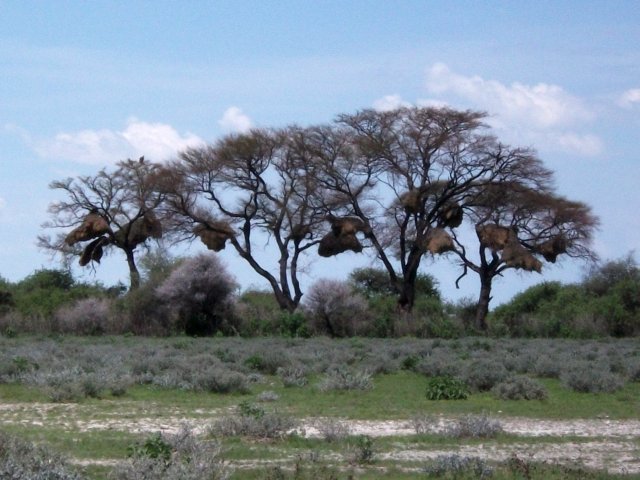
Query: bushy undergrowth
{"x": 446, "y": 388}
{"x": 74, "y": 368}
{"x": 474, "y": 426}
{"x": 457, "y": 466}
{"x": 182, "y": 456}
{"x": 254, "y": 422}
{"x": 520, "y": 387}
{"x": 21, "y": 460}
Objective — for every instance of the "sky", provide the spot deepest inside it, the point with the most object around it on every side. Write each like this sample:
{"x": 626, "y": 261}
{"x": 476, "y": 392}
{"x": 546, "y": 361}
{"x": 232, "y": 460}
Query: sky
{"x": 86, "y": 84}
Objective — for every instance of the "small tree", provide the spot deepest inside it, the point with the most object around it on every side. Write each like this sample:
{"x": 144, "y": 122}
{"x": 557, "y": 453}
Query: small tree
{"x": 518, "y": 226}
{"x": 111, "y": 210}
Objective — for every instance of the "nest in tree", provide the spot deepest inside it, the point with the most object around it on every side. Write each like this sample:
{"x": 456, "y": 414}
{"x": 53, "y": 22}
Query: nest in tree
{"x": 411, "y": 200}
{"x": 553, "y": 247}
{"x": 299, "y": 232}
{"x": 93, "y": 251}
{"x": 516, "y": 256}
{"x": 494, "y": 236}
{"x": 347, "y": 225}
{"x": 332, "y": 244}
{"x": 450, "y": 215}
{"x": 438, "y": 241}
{"x": 214, "y": 234}
{"x": 92, "y": 226}
{"x": 342, "y": 236}
{"x": 138, "y": 231}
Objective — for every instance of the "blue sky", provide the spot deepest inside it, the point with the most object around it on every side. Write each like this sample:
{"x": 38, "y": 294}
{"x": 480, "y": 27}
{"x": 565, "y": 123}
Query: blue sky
{"x": 85, "y": 84}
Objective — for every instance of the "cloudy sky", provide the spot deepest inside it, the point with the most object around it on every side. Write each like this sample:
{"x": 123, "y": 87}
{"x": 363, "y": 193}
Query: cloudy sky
{"x": 85, "y": 84}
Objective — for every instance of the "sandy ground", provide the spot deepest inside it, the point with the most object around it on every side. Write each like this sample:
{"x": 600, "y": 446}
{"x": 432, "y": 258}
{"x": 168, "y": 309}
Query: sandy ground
{"x": 604, "y": 444}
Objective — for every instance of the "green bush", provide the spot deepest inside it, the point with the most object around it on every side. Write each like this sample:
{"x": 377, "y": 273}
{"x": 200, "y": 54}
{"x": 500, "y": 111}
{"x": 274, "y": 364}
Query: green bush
{"x": 446, "y": 388}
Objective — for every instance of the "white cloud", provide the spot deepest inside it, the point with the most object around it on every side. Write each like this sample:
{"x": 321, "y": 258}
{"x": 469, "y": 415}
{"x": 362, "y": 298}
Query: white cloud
{"x": 389, "y": 102}
{"x": 235, "y": 121}
{"x": 157, "y": 141}
{"x": 522, "y": 113}
{"x": 628, "y": 98}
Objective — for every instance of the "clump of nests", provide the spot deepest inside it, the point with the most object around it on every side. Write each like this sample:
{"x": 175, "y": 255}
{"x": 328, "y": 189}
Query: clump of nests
{"x": 96, "y": 228}
{"x": 342, "y": 236}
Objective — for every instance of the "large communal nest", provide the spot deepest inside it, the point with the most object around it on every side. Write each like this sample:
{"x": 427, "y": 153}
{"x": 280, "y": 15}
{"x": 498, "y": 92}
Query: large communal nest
{"x": 214, "y": 234}
{"x": 411, "y": 201}
{"x": 450, "y": 215}
{"x": 495, "y": 237}
{"x": 342, "y": 236}
{"x": 438, "y": 241}
{"x": 93, "y": 251}
{"x": 138, "y": 231}
{"x": 92, "y": 226}
{"x": 516, "y": 256}
{"x": 553, "y": 247}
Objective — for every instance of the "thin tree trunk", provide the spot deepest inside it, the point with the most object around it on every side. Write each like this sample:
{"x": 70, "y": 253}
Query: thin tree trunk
{"x": 482, "y": 308}
{"x": 134, "y": 274}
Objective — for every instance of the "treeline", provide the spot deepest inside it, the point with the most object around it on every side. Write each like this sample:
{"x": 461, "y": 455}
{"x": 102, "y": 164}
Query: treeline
{"x": 398, "y": 186}
{"x": 197, "y": 296}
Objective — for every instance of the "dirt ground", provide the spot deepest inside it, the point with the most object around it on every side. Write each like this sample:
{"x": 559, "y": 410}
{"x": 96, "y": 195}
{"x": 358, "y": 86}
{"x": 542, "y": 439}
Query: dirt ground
{"x": 613, "y": 445}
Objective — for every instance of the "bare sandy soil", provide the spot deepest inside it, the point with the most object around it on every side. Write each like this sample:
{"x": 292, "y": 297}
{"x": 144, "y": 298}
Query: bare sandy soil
{"x": 613, "y": 445}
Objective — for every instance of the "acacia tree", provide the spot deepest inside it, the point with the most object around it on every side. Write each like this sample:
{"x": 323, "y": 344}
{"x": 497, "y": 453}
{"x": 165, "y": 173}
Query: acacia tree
{"x": 518, "y": 227}
{"x": 257, "y": 191}
{"x": 115, "y": 209}
{"x": 410, "y": 175}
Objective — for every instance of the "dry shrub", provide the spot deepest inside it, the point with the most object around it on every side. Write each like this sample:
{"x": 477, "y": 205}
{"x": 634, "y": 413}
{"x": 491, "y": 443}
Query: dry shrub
{"x": 438, "y": 241}
{"x": 214, "y": 234}
{"x": 494, "y": 236}
{"x": 515, "y": 255}
{"x": 336, "y": 309}
{"x": 89, "y": 316}
{"x": 93, "y": 225}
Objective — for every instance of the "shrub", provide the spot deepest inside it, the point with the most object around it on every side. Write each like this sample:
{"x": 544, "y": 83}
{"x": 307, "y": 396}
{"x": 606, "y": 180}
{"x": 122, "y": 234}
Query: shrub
{"x": 424, "y": 424}
{"x": 446, "y": 388}
{"x": 456, "y": 466}
{"x": 20, "y": 460}
{"x": 336, "y": 309}
{"x": 520, "y": 388}
{"x": 220, "y": 380}
{"x": 362, "y": 450}
{"x": 173, "y": 457}
{"x": 332, "y": 430}
{"x": 89, "y": 316}
{"x": 588, "y": 377}
{"x": 293, "y": 376}
{"x": 482, "y": 375}
{"x": 345, "y": 379}
{"x": 253, "y": 422}
{"x": 199, "y": 292}
{"x": 258, "y": 313}
{"x": 474, "y": 426}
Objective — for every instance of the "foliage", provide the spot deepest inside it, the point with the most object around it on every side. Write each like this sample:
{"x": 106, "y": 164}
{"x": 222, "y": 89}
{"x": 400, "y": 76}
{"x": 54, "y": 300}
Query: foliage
{"x": 590, "y": 377}
{"x": 363, "y": 450}
{"x": 372, "y": 282}
{"x": 344, "y": 379}
{"x": 446, "y": 388}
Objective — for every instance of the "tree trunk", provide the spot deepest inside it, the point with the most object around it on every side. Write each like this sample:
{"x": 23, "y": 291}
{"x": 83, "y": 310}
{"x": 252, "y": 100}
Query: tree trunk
{"x": 482, "y": 308}
{"x": 134, "y": 274}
